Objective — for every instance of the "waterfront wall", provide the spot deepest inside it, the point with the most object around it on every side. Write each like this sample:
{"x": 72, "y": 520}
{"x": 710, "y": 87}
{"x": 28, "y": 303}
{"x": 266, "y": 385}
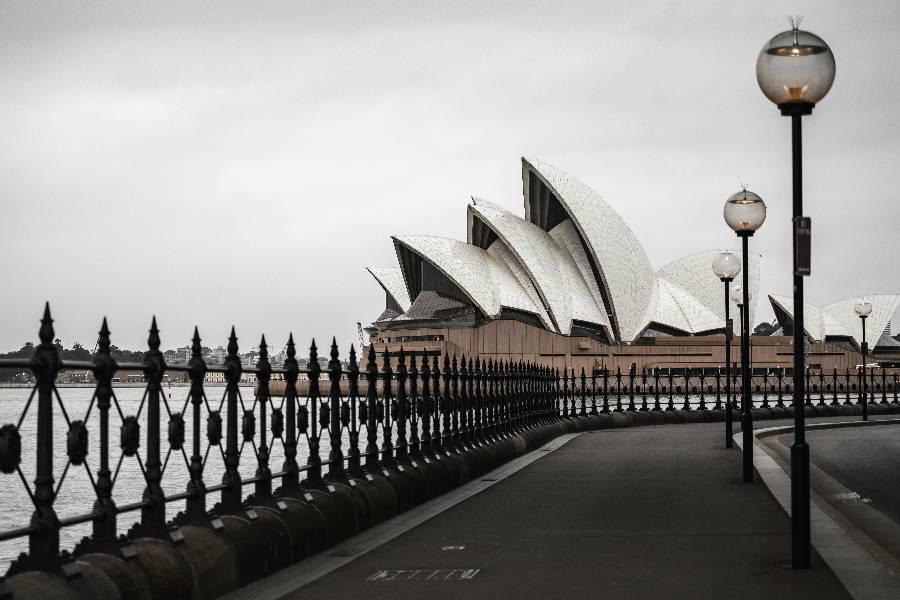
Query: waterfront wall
{"x": 511, "y": 340}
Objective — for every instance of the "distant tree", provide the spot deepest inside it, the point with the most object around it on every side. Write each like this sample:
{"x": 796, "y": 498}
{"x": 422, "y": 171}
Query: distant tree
{"x": 25, "y": 351}
{"x": 78, "y": 352}
{"x": 9, "y": 375}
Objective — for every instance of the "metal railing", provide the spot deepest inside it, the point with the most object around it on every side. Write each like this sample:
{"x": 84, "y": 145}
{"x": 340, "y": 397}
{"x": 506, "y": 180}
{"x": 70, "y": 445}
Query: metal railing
{"x": 426, "y": 406}
{"x": 419, "y": 409}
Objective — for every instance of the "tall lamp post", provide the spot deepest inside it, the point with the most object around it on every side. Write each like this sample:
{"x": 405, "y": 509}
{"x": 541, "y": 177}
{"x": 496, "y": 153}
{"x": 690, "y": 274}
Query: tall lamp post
{"x": 795, "y": 70}
{"x": 863, "y": 310}
{"x": 745, "y": 212}
{"x": 739, "y": 302}
{"x": 726, "y": 266}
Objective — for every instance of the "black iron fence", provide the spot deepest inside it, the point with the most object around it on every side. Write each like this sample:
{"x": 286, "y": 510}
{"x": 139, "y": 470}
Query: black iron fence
{"x": 420, "y": 408}
{"x": 355, "y": 420}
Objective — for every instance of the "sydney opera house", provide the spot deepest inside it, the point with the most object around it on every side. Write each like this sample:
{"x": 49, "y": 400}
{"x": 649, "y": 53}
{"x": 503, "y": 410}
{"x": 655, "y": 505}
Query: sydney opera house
{"x": 568, "y": 284}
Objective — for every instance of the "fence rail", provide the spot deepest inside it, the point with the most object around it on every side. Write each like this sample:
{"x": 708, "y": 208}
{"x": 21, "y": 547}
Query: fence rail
{"x": 368, "y": 418}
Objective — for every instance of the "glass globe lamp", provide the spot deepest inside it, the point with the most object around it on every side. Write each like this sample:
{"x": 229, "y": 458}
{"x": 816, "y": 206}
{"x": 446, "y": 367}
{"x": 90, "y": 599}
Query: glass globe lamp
{"x": 738, "y": 296}
{"x": 745, "y": 212}
{"x": 726, "y": 265}
{"x": 863, "y": 309}
{"x": 795, "y": 69}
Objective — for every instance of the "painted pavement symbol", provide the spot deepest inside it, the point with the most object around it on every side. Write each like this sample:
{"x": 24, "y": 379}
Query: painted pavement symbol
{"x": 423, "y": 575}
{"x": 850, "y": 497}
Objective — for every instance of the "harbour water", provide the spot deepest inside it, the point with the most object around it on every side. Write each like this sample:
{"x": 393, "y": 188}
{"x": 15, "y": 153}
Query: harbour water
{"x": 75, "y": 492}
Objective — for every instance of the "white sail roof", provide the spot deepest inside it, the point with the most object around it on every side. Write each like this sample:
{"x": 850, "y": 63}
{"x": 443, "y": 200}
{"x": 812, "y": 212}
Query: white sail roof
{"x": 839, "y": 319}
{"x": 693, "y": 275}
{"x": 883, "y": 308}
{"x": 692, "y": 316}
{"x": 538, "y": 255}
{"x": 488, "y": 282}
{"x": 813, "y": 318}
{"x": 391, "y": 279}
{"x": 512, "y": 296}
{"x": 587, "y": 302}
{"x": 625, "y": 270}
{"x": 669, "y": 310}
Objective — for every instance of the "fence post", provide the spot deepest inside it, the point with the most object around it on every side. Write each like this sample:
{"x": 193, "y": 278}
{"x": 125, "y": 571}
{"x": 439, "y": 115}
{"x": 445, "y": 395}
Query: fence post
{"x": 618, "y": 389}
{"x": 470, "y": 403}
{"x": 263, "y": 487}
{"x": 447, "y": 408}
{"x": 507, "y": 400}
{"x": 718, "y": 404}
{"x": 195, "y": 505}
{"x": 386, "y": 411}
{"x": 153, "y": 513}
{"x": 462, "y": 404}
{"x": 780, "y": 402}
{"x": 104, "y": 527}
{"x": 43, "y": 541}
{"x": 427, "y": 447}
{"x": 895, "y": 388}
{"x": 354, "y": 462}
{"x": 416, "y": 402}
{"x": 479, "y": 402}
{"x": 834, "y": 390}
{"x": 400, "y": 414}
{"x": 314, "y": 461}
{"x": 671, "y": 405}
{"x": 336, "y": 470}
{"x": 372, "y": 412}
{"x": 290, "y": 482}
{"x": 437, "y": 444}
{"x": 631, "y": 375}
{"x": 656, "y": 406}
{"x": 492, "y": 400}
{"x": 606, "y": 390}
{"x": 644, "y": 391}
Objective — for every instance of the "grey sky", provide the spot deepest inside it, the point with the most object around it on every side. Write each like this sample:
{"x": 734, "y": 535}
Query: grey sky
{"x": 241, "y": 162}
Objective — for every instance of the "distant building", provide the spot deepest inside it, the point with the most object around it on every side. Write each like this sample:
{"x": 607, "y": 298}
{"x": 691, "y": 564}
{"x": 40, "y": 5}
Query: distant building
{"x": 183, "y": 355}
{"x": 838, "y": 322}
{"x": 568, "y": 285}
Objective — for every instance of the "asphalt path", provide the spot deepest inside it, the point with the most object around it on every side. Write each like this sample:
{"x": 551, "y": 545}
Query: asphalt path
{"x": 863, "y": 459}
{"x": 648, "y": 512}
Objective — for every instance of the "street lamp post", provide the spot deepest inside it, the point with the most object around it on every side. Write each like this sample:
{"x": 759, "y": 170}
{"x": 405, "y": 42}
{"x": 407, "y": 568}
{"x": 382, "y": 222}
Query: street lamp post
{"x": 745, "y": 212}
{"x": 726, "y": 267}
{"x": 795, "y": 70}
{"x": 739, "y": 302}
{"x": 863, "y": 310}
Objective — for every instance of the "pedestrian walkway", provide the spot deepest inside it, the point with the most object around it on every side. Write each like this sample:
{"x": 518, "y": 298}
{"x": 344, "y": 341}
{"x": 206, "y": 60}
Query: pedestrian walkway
{"x": 644, "y": 512}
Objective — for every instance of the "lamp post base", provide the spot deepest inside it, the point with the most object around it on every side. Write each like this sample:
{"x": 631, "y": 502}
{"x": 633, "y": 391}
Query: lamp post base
{"x": 800, "y": 506}
{"x": 747, "y": 433}
{"x": 729, "y": 432}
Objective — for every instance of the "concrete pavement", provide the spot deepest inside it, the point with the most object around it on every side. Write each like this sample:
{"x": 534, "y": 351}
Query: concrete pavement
{"x": 648, "y": 512}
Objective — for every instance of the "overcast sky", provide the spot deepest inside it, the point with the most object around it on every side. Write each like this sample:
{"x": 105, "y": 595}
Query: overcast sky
{"x": 219, "y": 163}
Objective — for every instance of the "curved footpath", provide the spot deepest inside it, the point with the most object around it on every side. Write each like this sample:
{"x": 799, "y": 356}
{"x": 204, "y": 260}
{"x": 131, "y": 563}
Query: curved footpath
{"x": 856, "y": 528}
{"x": 626, "y": 513}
